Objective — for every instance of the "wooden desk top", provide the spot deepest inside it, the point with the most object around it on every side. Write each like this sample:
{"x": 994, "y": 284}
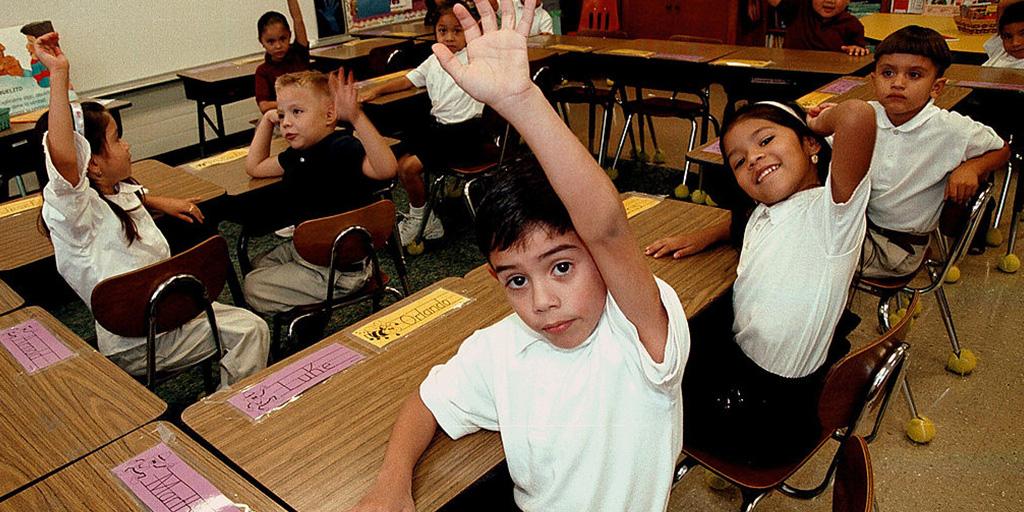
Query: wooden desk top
{"x": 353, "y": 50}
{"x": 9, "y": 299}
{"x": 803, "y": 61}
{"x": 404, "y": 30}
{"x": 65, "y": 411}
{"x": 350, "y": 429}
{"x": 89, "y": 484}
{"x": 597, "y": 43}
{"x": 700, "y": 52}
{"x": 998, "y": 76}
{"x": 878, "y": 26}
{"x": 23, "y": 241}
{"x": 231, "y": 176}
{"x": 18, "y": 128}
{"x": 223, "y": 71}
{"x": 702, "y": 156}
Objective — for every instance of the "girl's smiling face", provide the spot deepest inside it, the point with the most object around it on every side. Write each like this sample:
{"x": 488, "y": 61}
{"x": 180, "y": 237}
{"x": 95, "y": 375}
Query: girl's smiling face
{"x": 770, "y": 161}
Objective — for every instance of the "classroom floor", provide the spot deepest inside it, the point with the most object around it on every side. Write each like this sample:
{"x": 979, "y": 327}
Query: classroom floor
{"x": 975, "y": 461}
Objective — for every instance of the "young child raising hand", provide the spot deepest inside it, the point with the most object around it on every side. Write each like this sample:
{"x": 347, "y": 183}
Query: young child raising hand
{"x": 583, "y": 381}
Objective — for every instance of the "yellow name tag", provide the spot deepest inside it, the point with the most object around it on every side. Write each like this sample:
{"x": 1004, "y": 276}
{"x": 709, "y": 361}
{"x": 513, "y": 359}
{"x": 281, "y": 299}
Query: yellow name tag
{"x": 20, "y": 205}
{"x": 222, "y": 158}
{"x": 635, "y": 205}
{"x": 249, "y": 60}
{"x": 571, "y": 48}
{"x": 813, "y": 99}
{"x": 629, "y": 52}
{"x": 743, "y": 63}
{"x": 382, "y": 331}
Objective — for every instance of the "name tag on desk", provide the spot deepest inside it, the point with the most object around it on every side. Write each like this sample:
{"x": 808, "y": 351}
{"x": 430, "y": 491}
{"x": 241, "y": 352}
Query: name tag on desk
{"x": 407, "y": 319}
{"x": 34, "y": 346}
{"x": 165, "y": 483}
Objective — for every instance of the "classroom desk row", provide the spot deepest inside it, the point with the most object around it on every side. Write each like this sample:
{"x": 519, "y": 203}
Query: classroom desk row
{"x": 9, "y": 299}
{"x": 321, "y": 450}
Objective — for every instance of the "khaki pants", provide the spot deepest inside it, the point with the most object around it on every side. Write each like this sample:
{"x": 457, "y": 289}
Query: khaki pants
{"x": 245, "y": 337}
{"x": 881, "y": 257}
{"x": 283, "y": 280}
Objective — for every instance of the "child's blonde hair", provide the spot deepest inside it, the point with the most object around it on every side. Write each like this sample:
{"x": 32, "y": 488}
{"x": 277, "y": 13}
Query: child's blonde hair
{"x": 311, "y": 80}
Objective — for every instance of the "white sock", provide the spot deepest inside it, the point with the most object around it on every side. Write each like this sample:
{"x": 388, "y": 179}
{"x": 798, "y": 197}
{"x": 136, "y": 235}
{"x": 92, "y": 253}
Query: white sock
{"x": 416, "y": 212}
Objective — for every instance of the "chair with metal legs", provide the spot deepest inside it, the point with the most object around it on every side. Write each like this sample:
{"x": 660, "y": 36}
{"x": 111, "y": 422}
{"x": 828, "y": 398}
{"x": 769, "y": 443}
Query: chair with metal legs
{"x": 1010, "y": 262}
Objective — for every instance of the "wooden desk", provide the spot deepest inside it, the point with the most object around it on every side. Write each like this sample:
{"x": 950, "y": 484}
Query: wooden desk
{"x": 89, "y": 484}
{"x": 405, "y": 30}
{"x": 594, "y": 43}
{"x": 231, "y": 176}
{"x": 9, "y": 299}
{"x": 217, "y": 85}
{"x": 801, "y": 61}
{"x": 672, "y": 50}
{"x": 65, "y": 411}
{"x": 345, "y": 54}
{"x": 986, "y": 78}
{"x": 23, "y": 241}
{"x": 878, "y": 26}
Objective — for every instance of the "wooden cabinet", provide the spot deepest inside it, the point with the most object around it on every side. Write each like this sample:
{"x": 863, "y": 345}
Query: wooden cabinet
{"x": 717, "y": 19}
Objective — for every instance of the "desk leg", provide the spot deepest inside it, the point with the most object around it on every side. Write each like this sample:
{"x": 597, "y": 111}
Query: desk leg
{"x": 200, "y": 113}
{"x": 218, "y": 127}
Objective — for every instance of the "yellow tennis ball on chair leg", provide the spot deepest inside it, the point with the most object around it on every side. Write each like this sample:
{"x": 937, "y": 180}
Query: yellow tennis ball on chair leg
{"x": 697, "y": 196}
{"x": 612, "y": 173}
{"x": 659, "y": 156}
{"x": 994, "y": 237}
{"x": 953, "y": 275}
{"x": 415, "y": 248}
{"x": 1009, "y": 264}
{"x": 682, "y": 191}
{"x": 962, "y": 365}
{"x": 708, "y": 201}
{"x": 921, "y": 430}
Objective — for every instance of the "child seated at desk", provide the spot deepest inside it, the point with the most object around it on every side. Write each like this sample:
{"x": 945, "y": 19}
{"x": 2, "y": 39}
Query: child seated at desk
{"x": 457, "y": 123}
{"x": 97, "y": 220}
{"x": 542, "y": 22}
{"x": 923, "y": 154}
{"x": 821, "y": 25}
{"x": 324, "y": 171}
{"x": 1006, "y": 48}
{"x": 755, "y": 377}
{"x": 283, "y": 56}
{"x": 583, "y": 381}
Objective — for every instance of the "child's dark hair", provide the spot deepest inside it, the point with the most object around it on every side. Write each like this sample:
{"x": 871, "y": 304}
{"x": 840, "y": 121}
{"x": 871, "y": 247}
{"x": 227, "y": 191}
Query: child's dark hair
{"x": 518, "y": 200}
{"x": 1014, "y": 13}
{"x": 446, "y": 7}
{"x": 737, "y": 200}
{"x": 97, "y": 120}
{"x": 916, "y": 40}
{"x": 269, "y": 18}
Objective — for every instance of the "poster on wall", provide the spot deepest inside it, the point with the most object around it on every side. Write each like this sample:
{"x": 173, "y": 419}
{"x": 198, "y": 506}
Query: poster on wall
{"x": 362, "y": 14}
{"x": 24, "y": 81}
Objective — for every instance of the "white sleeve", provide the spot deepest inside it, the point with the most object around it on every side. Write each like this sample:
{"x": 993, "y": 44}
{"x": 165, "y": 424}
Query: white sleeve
{"x": 980, "y": 138}
{"x": 668, "y": 374}
{"x": 845, "y": 224}
{"x": 459, "y": 393}
{"x": 68, "y": 209}
{"x": 418, "y": 76}
{"x": 542, "y": 23}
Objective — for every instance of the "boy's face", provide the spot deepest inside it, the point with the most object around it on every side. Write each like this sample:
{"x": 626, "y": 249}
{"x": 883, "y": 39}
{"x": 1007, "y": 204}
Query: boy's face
{"x": 275, "y": 40}
{"x": 306, "y": 117}
{"x": 1013, "y": 39}
{"x": 829, "y": 8}
{"x": 448, "y": 32}
{"x": 770, "y": 161}
{"x": 553, "y": 284}
{"x": 904, "y": 83}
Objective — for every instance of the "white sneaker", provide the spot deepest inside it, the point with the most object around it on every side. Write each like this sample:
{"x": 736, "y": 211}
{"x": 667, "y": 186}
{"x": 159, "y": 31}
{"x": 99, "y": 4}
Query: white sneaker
{"x": 409, "y": 227}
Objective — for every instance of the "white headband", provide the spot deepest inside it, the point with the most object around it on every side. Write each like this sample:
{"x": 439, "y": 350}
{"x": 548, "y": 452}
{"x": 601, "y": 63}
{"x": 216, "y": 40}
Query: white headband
{"x": 78, "y": 118}
{"x": 784, "y": 108}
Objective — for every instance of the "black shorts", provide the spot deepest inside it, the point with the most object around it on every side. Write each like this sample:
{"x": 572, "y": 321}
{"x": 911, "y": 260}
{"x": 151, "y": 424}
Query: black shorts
{"x": 464, "y": 144}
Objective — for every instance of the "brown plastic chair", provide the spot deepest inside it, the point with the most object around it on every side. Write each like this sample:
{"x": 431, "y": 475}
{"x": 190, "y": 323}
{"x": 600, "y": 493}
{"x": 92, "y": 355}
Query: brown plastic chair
{"x": 854, "y": 488}
{"x": 337, "y": 242}
{"x": 164, "y": 296}
{"x": 852, "y": 387}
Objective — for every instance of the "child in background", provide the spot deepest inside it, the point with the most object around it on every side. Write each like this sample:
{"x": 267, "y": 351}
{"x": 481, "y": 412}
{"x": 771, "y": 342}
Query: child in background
{"x": 583, "y": 381}
{"x": 457, "y": 121}
{"x": 98, "y": 223}
{"x": 821, "y": 25}
{"x": 542, "y": 22}
{"x": 325, "y": 172}
{"x": 923, "y": 154}
{"x": 1006, "y": 48}
{"x": 283, "y": 56}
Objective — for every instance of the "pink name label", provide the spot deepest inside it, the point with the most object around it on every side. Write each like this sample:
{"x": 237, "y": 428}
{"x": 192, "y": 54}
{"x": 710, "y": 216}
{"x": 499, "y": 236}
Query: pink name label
{"x": 33, "y": 346}
{"x": 714, "y": 149}
{"x": 284, "y": 385}
{"x": 678, "y": 56}
{"x": 842, "y": 86}
{"x": 990, "y": 85}
{"x": 165, "y": 483}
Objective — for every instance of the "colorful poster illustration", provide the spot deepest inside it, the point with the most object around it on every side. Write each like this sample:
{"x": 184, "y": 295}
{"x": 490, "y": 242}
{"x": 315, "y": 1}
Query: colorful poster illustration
{"x": 24, "y": 81}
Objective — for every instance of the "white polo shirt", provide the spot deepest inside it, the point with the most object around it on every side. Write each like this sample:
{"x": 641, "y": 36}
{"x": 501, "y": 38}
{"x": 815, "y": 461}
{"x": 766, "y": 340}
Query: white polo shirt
{"x": 594, "y": 428}
{"x": 793, "y": 277}
{"x": 89, "y": 244}
{"x": 912, "y": 162}
{"x": 449, "y": 104}
{"x": 997, "y": 56}
{"x": 542, "y": 22}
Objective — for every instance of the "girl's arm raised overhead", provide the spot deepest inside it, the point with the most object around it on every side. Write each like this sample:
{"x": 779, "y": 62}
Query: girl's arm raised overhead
{"x": 60, "y": 140}
{"x": 297, "y": 23}
{"x": 852, "y": 123}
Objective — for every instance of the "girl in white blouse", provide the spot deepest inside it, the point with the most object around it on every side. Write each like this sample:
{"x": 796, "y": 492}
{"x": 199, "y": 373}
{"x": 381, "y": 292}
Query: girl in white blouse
{"x": 97, "y": 219}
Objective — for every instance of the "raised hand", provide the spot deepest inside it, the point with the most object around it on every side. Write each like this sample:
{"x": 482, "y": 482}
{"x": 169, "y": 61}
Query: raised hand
{"x": 498, "y": 72}
{"x": 346, "y": 96}
{"x": 48, "y": 52}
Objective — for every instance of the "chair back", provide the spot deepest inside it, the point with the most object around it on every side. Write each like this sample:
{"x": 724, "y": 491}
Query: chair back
{"x": 854, "y": 487}
{"x": 344, "y": 236}
{"x": 120, "y": 303}
{"x": 960, "y": 223}
{"x": 599, "y": 16}
{"x": 863, "y": 376}
{"x": 379, "y": 59}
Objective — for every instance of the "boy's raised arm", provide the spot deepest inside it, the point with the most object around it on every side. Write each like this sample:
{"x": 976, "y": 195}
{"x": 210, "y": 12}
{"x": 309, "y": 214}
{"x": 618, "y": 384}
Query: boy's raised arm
{"x": 498, "y": 75}
{"x": 300, "y": 26}
{"x": 380, "y": 162}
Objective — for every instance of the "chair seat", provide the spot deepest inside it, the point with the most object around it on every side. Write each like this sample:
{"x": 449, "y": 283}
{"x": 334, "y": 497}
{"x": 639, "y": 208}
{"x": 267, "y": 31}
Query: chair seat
{"x": 577, "y": 93}
{"x": 894, "y": 283}
{"x": 761, "y": 476}
{"x": 664, "y": 107}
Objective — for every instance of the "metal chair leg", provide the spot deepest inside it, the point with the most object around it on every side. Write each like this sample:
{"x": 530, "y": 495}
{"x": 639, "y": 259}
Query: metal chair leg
{"x": 592, "y": 111}
{"x": 606, "y": 126}
{"x": 693, "y": 140}
{"x": 433, "y": 198}
{"x": 751, "y": 498}
{"x": 947, "y": 318}
{"x": 622, "y": 140}
{"x": 909, "y": 396}
{"x": 1002, "y": 195}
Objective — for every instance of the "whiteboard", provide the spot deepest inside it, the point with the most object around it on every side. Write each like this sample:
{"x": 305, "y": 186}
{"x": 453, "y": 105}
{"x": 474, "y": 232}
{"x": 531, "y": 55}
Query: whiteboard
{"x": 119, "y": 45}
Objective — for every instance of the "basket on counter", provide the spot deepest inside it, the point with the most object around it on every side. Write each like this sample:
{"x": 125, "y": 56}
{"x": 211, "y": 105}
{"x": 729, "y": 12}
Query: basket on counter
{"x": 977, "y": 18}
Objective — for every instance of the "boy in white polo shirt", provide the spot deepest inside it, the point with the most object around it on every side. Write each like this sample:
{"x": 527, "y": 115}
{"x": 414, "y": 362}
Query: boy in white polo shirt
{"x": 923, "y": 154}
{"x": 583, "y": 381}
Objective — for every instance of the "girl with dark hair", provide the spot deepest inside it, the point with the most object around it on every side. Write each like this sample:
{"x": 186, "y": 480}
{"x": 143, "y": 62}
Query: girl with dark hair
{"x": 97, "y": 219}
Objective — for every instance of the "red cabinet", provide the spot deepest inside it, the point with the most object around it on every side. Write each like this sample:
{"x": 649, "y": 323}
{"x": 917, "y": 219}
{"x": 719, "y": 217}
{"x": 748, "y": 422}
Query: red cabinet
{"x": 716, "y": 19}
